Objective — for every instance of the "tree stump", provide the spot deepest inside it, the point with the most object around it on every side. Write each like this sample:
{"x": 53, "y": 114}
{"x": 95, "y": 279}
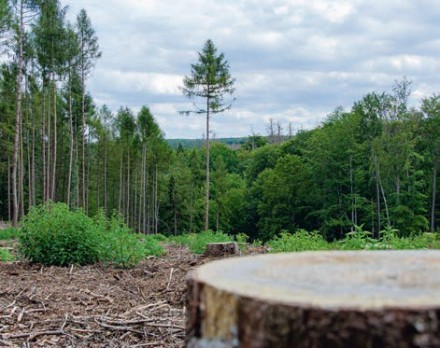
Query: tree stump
{"x": 221, "y": 249}
{"x": 317, "y": 299}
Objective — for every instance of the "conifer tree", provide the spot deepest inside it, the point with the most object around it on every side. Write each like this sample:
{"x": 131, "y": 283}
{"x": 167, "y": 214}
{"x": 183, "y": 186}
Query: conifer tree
{"x": 210, "y": 81}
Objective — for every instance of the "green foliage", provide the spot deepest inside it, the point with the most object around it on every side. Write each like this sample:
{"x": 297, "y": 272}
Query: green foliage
{"x": 53, "y": 235}
{"x": 125, "y": 249}
{"x": 357, "y": 240}
{"x": 5, "y": 255}
{"x": 196, "y": 242}
{"x": 9, "y": 233}
{"x": 241, "y": 238}
{"x": 301, "y": 240}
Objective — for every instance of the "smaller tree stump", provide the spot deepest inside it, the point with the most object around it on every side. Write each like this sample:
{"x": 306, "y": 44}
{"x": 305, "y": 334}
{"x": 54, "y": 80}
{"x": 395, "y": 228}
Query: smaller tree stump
{"x": 221, "y": 249}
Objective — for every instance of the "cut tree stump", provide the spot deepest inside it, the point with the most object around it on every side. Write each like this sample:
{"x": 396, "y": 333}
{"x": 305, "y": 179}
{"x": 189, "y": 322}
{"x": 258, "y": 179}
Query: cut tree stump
{"x": 221, "y": 249}
{"x": 317, "y": 299}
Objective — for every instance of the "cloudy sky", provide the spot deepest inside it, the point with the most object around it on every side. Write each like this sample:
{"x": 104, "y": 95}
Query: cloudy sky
{"x": 294, "y": 60}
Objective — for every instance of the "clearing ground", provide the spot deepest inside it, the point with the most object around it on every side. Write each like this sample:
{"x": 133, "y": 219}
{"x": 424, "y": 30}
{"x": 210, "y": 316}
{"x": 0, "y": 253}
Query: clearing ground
{"x": 96, "y": 306}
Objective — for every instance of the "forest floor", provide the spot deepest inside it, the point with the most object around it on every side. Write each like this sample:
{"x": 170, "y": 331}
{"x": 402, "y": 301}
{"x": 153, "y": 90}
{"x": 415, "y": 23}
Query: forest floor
{"x": 97, "y": 306}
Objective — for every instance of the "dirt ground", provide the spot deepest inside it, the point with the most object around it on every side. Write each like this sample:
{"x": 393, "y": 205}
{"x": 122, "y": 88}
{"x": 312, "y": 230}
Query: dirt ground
{"x": 96, "y": 306}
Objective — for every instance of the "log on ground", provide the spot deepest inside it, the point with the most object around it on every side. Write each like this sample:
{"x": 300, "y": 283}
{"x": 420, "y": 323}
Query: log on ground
{"x": 317, "y": 299}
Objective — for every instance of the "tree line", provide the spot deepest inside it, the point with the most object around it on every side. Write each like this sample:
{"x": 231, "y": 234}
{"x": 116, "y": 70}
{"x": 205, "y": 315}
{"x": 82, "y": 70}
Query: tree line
{"x": 375, "y": 165}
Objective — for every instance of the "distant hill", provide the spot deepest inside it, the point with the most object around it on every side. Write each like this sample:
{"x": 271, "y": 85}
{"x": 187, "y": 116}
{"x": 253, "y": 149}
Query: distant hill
{"x": 195, "y": 143}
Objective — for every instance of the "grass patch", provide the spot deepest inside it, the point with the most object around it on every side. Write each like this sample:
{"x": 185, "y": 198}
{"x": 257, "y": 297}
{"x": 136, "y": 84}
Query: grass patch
{"x": 5, "y": 255}
{"x": 9, "y": 233}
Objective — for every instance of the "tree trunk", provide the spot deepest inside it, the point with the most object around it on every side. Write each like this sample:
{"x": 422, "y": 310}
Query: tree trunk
{"x": 54, "y": 157}
{"x": 156, "y": 202}
{"x": 105, "y": 179}
{"x": 49, "y": 148}
{"x": 69, "y": 174}
{"x": 17, "y": 120}
{"x": 434, "y": 195}
{"x": 334, "y": 299}
{"x": 83, "y": 138}
{"x": 9, "y": 190}
{"x": 121, "y": 184}
{"x": 127, "y": 214}
{"x": 207, "y": 167}
{"x": 43, "y": 147}
{"x": 191, "y": 206}
{"x": 34, "y": 188}
{"x": 21, "y": 171}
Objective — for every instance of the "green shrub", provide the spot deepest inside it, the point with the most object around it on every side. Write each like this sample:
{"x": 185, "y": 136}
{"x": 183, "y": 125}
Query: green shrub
{"x": 8, "y": 233}
{"x": 5, "y": 255}
{"x": 126, "y": 249}
{"x": 158, "y": 237}
{"x": 358, "y": 240}
{"x": 53, "y": 235}
{"x": 151, "y": 244}
{"x": 298, "y": 241}
{"x": 241, "y": 238}
{"x": 196, "y": 242}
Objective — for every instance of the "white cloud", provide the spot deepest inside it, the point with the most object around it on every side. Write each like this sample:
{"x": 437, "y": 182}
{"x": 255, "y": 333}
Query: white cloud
{"x": 294, "y": 60}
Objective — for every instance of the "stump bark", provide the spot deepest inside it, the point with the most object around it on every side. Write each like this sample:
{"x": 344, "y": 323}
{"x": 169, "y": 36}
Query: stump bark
{"x": 221, "y": 249}
{"x": 325, "y": 299}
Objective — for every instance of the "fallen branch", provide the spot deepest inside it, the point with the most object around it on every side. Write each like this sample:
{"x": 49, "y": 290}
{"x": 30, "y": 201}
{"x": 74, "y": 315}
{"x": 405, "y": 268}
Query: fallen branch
{"x": 169, "y": 280}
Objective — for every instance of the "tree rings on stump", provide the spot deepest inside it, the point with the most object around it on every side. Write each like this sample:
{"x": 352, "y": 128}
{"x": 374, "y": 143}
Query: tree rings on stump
{"x": 317, "y": 299}
{"x": 221, "y": 249}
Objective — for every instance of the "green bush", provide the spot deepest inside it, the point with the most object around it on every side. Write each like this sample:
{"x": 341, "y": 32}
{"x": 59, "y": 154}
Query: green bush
{"x": 298, "y": 241}
{"x": 53, "y": 235}
{"x": 5, "y": 255}
{"x": 126, "y": 249}
{"x": 196, "y": 242}
{"x": 359, "y": 240}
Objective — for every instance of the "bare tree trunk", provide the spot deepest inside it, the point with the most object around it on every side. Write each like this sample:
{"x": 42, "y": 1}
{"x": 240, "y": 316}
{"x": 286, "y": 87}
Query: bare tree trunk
{"x": 21, "y": 172}
{"x": 352, "y": 195}
{"x": 128, "y": 188}
{"x": 77, "y": 171}
{"x": 98, "y": 183}
{"x": 156, "y": 203}
{"x": 49, "y": 147}
{"x": 69, "y": 174}
{"x": 28, "y": 152}
{"x": 121, "y": 183}
{"x": 148, "y": 202}
{"x": 43, "y": 147}
{"x": 142, "y": 192}
{"x": 378, "y": 205}
{"x": 33, "y": 161}
{"x": 83, "y": 138}
{"x": 105, "y": 179}
{"x": 191, "y": 207}
{"x": 54, "y": 157}
{"x": 17, "y": 119}
{"x": 434, "y": 195}
{"x": 87, "y": 181}
{"x": 207, "y": 167}
{"x": 9, "y": 190}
